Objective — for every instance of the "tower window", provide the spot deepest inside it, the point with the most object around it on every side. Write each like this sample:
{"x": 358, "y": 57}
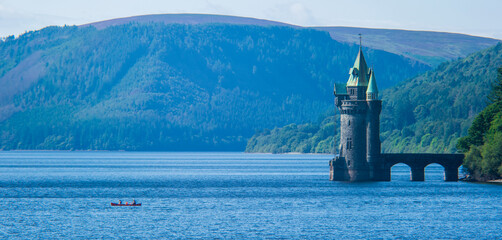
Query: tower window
{"x": 348, "y": 124}
{"x": 349, "y": 143}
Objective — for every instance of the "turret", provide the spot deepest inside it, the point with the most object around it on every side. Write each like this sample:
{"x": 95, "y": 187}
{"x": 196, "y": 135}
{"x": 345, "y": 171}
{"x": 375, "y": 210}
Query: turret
{"x": 372, "y": 91}
{"x": 373, "y": 127}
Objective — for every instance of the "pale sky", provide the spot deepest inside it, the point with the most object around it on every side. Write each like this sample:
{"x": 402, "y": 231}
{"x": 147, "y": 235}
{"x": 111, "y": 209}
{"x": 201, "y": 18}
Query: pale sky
{"x": 474, "y": 17}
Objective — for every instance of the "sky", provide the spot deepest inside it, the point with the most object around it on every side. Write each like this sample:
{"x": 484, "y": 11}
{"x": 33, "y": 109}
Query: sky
{"x": 473, "y": 17}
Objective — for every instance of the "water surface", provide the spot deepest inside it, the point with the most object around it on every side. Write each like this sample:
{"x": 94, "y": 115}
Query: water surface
{"x": 231, "y": 195}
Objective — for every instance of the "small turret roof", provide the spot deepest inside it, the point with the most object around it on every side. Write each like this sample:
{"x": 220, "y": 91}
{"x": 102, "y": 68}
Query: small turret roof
{"x": 358, "y": 73}
{"x": 340, "y": 89}
{"x": 372, "y": 86}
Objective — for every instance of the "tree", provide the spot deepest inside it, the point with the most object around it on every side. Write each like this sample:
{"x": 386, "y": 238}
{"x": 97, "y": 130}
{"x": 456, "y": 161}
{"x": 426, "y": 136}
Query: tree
{"x": 483, "y": 144}
{"x": 496, "y": 93}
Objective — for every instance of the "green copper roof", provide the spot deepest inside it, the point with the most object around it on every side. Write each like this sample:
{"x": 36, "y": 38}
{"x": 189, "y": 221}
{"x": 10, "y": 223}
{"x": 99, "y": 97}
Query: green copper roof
{"x": 358, "y": 73}
{"x": 372, "y": 86}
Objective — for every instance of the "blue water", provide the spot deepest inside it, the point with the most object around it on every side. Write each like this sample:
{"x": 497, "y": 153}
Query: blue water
{"x": 66, "y": 195}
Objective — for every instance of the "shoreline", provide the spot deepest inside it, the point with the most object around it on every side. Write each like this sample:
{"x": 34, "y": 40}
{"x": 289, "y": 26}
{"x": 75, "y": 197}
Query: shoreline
{"x": 494, "y": 181}
{"x": 498, "y": 181}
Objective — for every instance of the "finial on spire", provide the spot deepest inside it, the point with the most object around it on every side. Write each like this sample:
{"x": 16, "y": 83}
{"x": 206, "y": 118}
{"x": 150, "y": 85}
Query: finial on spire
{"x": 360, "y": 41}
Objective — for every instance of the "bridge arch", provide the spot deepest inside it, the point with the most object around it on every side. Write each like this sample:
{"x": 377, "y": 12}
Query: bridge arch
{"x": 400, "y": 171}
{"x": 434, "y": 172}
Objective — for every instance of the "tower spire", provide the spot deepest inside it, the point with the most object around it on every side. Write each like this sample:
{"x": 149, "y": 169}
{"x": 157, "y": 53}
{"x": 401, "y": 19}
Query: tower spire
{"x": 360, "y": 41}
{"x": 359, "y": 74}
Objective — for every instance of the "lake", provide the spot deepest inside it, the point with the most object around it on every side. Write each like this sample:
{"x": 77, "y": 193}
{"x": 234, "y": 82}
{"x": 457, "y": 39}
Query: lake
{"x": 231, "y": 195}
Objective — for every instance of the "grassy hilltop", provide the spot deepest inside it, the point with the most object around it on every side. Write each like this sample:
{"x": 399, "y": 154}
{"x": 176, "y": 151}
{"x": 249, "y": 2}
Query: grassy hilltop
{"x": 432, "y": 48}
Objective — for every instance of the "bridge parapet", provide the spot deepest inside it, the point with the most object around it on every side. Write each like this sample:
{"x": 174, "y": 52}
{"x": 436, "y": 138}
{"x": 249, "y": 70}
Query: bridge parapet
{"x": 418, "y": 162}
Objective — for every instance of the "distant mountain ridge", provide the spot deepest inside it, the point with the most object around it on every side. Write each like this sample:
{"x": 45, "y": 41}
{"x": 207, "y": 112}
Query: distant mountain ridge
{"x": 431, "y": 48}
{"x": 428, "y": 47}
{"x": 186, "y": 19}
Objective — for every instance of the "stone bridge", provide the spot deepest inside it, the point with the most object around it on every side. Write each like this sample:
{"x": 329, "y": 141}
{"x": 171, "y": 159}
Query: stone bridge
{"x": 418, "y": 162}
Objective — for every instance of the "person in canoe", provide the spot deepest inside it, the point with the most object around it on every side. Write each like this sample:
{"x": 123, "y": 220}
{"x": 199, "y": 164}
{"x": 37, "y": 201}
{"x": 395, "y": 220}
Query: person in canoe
{"x": 133, "y": 203}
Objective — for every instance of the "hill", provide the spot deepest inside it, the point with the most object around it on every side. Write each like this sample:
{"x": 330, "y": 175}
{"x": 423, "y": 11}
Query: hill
{"x": 157, "y": 86}
{"x": 189, "y": 19}
{"x": 425, "y": 114}
{"x": 431, "y": 48}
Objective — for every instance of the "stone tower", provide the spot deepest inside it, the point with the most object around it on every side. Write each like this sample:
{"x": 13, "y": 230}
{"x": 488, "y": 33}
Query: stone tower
{"x": 359, "y": 156}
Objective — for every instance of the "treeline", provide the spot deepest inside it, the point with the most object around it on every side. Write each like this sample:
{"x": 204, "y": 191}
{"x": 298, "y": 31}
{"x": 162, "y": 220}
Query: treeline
{"x": 169, "y": 87}
{"x": 428, "y": 113}
{"x": 317, "y": 137}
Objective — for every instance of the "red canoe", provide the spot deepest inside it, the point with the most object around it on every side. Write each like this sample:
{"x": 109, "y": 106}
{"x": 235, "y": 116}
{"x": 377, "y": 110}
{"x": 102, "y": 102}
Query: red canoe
{"x": 126, "y": 204}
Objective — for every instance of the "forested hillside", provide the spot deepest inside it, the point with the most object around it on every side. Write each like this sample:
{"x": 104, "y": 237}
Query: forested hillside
{"x": 153, "y": 86}
{"x": 425, "y": 114}
{"x": 483, "y": 144}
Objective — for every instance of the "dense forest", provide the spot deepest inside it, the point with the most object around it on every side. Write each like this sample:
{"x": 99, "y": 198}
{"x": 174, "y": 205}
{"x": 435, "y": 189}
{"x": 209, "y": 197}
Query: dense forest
{"x": 483, "y": 144}
{"x": 428, "y": 113}
{"x": 156, "y": 86}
